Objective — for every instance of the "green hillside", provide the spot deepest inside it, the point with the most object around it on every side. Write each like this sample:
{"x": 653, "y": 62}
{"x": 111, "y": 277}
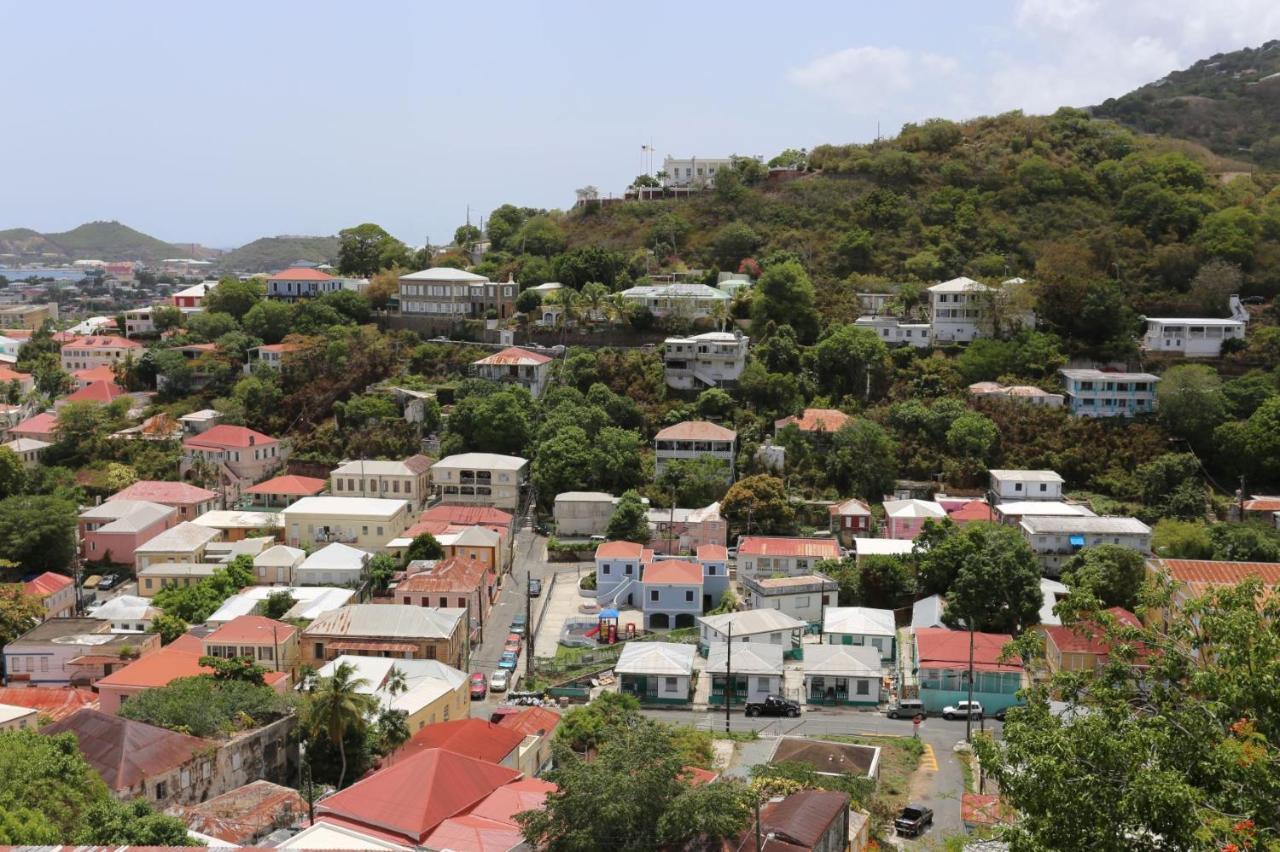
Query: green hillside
{"x": 273, "y": 253}
{"x": 111, "y": 241}
{"x": 1229, "y": 102}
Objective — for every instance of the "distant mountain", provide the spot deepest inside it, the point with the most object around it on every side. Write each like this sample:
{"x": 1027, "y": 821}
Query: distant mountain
{"x": 270, "y": 254}
{"x": 98, "y": 240}
{"x": 1230, "y": 103}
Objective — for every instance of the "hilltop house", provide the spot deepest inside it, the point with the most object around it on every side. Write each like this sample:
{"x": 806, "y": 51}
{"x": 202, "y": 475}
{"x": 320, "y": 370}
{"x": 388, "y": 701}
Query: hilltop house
{"x": 529, "y": 370}
{"x": 482, "y": 479}
{"x": 1029, "y": 394}
{"x": 301, "y": 282}
{"x": 711, "y": 360}
{"x": 1100, "y": 393}
{"x": 409, "y": 479}
{"x": 444, "y": 293}
{"x": 237, "y": 456}
{"x": 814, "y": 421}
{"x": 684, "y": 300}
{"x": 695, "y": 439}
{"x": 1195, "y": 338}
{"x": 962, "y": 310}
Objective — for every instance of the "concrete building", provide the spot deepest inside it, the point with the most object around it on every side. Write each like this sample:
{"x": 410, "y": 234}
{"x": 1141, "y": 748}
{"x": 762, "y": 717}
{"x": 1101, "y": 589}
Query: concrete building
{"x": 962, "y": 309}
{"x": 453, "y": 582}
{"x": 56, "y": 593}
{"x": 941, "y": 657}
{"x": 692, "y": 172}
{"x": 173, "y": 575}
{"x": 1057, "y": 539}
{"x": 278, "y": 565}
{"x": 281, "y": 491}
{"x": 1017, "y": 485}
{"x": 409, "y": 479}
{"x": 239, "y": 457}
{"x": 185, "y": 542}
{"x": 455, "y": 295}
{"x": 1013, "y": 511}
{"x": 712, "y": 360}
{"x": 191, "y": 501}
{"x": 695, "y": 439}
{"x": 681, "y": 300}
{"x": 301, "y": 282}
{"x": 583, "y": 513}
{"x": 71, "y": 652}
{"x": 13, "y": 718}
{"x": 529, "y": 370}
{"x": 28, "y": 450}
{"x": 845, "y": 675}
{"x": 671, "y": 594}
{"x": 804, "y": 596}
{"x": 268, "y": 643}
{"x": 1099, "y": 393}
{"x": 273, "y": 355}
{"x": 126, "y": 613}
{"x": 114, "y": 530}
{"x": 904, "y": 519}
{"x": 752, "y": 626}
{"x": 757, "y": 672}
{"x": 861, "y": 626}
{"x": 770, "y": 556}
{"x": 484, "y": 479}
{"x": 86, "y": 353}
{"x": 677, "y": 530}
{"x": 1195, "y": 338}
{"x": 335, "y": 564}
{"x": 364, "y": 522}
{"x": 28, "y": 316}
{"x": 434, "y": 691}
{"x": 392, "y": 631}
{"x": 240, "y": 525}
{"x": 895, "y": 331}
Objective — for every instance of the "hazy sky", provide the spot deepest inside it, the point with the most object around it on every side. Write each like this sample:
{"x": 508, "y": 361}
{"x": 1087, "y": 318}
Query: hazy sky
{"x": 222, "y": 122}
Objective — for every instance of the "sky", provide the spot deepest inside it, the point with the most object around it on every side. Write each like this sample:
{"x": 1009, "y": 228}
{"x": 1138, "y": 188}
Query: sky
{"x": 223, "y": 122}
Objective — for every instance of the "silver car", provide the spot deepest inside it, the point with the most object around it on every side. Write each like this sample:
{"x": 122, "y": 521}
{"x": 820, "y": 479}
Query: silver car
{"x": 499, "y": 681}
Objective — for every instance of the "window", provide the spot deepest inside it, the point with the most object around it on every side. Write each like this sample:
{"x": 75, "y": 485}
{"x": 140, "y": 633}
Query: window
{"x": 688, "y": 596}
{"x": 802, "y": 602}
{"x": 364, "y": 530}
{"x": 319, "y": 651}
{"x": 863, "y": 688}
{"x": 653, "y": 594}
{"x": 162, "y": 790}
{"x": 762, "y": 684}
{"x": 711, "y": 570}
{"x": 669, "y": 684}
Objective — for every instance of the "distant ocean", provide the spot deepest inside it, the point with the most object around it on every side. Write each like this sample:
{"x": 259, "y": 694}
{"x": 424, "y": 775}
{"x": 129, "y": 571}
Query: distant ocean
{"x": 57, "y": 273}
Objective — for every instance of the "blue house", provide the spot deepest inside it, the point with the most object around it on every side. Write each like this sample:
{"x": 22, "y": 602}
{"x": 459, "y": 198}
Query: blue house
{"x": 941, "y": 663}
{"x": 671, "y": 594}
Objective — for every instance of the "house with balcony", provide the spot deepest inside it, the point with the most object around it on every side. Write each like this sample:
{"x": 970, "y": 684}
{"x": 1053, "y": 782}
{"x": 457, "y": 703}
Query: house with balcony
{"x": 529, "y": 370}
{"x": 1195, "y": 338}
{"x": 407, "y": 479}
{"x": 712, "y": 360}
{"x": 896, "y": 331}
{"x": 235, "y": 456}
{"x": 756, "y": 670}
{"x": 842, "y": 675}
{"x": 367, "y": 523}
{"x": 1102, "y": 393}
{"x": 776, "y": 556}
{"x": 1017, "y": 485}
{"x": 962, "y": 310}
{"x": 444, "y": 293}
{"x": 684, "y": 300}
{"x": 480, "y": 479}
{"x": 695, "y": 439}
{"x": 940, "y": 660}
{"x": 1057, "y": 539}
{"x": 280, "y": 491}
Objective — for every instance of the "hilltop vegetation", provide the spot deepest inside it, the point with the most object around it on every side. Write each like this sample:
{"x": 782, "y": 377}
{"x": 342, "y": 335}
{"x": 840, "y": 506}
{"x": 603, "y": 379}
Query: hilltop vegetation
{"x": 270, "y": 254}
{"x": 1225, "y": 102}
{"x": 100, "y": 240}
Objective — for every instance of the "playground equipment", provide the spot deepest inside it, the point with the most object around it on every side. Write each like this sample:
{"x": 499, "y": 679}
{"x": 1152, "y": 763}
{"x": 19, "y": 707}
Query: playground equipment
{"x": 606, "y": 630}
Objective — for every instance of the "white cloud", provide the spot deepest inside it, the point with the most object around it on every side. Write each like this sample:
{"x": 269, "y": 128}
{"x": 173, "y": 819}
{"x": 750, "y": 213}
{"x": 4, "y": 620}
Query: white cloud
{"x": 1052, "y": 53}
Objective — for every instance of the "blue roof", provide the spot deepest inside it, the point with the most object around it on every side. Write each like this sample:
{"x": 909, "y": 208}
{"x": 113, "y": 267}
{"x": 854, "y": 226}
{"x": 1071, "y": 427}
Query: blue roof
{"x": 1077, "y": 540}
{"x": 608, "y": 613}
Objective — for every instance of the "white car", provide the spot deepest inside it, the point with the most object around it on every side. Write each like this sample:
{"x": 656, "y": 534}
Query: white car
{"x": 972, "y": 709}
{"x": 499, "y": 681}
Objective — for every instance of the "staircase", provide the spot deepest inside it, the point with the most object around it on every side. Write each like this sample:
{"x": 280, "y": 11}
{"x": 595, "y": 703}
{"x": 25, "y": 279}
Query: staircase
{"x": 611, "y": 598}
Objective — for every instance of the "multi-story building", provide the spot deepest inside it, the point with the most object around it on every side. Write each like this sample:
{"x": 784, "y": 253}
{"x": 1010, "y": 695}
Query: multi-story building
{"x": 769, "y": 556}
{"x": 679, "y": 530}
{"x": 85, "y": 353}
{"x": 1025, "y": 485}
{"x": 268, "y": 643}
{"x": 237, "y": 456}
{"x": 192, "y": 298}
{"x": 388, "y": 630}
{"x": 695, "y": 439}
{"x": 692, "y": 172}
{"x": 28, "y": 316}
{"x": 112, "y": 531}
{"x": 185, "y": 542}
{"x": 191, "y": 501}
{"x": 273, "y": 355}
{"x": 453, "y": 582}
{"x": 682, "y": 300}
{"x": 583, "y": 512}
{"x": 672, "y": 593}
{"x": 895, "y": 330}
{"x": 71, "y": 652}
{"x": 1195, "y": 338}
{"x": 485, "y": 479}
{"x": 712, "y": 360}
{"x": 455, "y": 294}
{"x": 530, "y": 370}
{"x": 56, "y": 592}
{"x": 409, "y": 479}
{"x": 850, "y": 519}
{"x": 364, "y": 522}
{"x": 301, "y": 282}
{"x": 1057, "y": 539}
{"x": 805, "y": 596}
{"x": 1100, "y": 393}
{"x": 962, "y": 309}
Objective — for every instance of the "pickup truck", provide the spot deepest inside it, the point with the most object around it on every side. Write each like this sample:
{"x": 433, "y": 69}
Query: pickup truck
{"x": 913, "y": 821}
{"x": 773, "y": 705}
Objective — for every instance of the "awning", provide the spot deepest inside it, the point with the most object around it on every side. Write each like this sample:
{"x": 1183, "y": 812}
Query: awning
{"x": 1076, "y": 540}
{"x": 399, "y": 647}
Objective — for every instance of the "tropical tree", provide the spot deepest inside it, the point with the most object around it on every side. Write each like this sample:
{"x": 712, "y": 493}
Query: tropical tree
{"x": 337, "y": 705}
{"x": 630, "y": 520}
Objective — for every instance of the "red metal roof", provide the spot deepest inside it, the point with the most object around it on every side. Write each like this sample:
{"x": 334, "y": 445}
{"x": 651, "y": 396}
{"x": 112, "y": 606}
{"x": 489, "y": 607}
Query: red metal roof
{"x": 223, "y": 436}
{"x": 939, "y": 648}
{"x": 467, "y": 515}
{"x": 696, "y": 430}
{"x": 457, "y": 573}
{"x": 674, "y": 571}
{"x": 532, "y": 721}
{"x": 815, "y": 420}
{"x": 696, "y": 776}
{"x": 375, "y": 645}
{"x": 252, "y": 630}
{"x": 300, "y": 273}
{"x": 1220, "y": 572}
{"x": 619, "y": 550}
{"x": 8, "y": 374}
{"x": 103, "y": 392}
{"x": 166, "y": 493}
{"x": 48, "y": 701}
{"x": 414, "y": 795}
{"x": 46, "y": 584}
{"x": 124, "y": 752}
{"x": 502, "y": 805}
{"x": 795, "y": 824}
{"x": 102, "y": 342}
{"x": 101, "y": 373}
{"x": 974, "y": 510}
{"x": 1086, "y": 638}
{"x": 246, "y": 813}
{"x": 294, "y": 486}
{"x": 515, "y": 356}
{"x": 474, "y": 738}
{"x": 280, "y": 347}
{"x": 475, "y": 834}
{"x": 45, "y": 423}
{"x": 159, "y": 668}
{"x": 812, "y": 548}
{"x": 712, "y": 553}
{"x": 1262, "y": 504}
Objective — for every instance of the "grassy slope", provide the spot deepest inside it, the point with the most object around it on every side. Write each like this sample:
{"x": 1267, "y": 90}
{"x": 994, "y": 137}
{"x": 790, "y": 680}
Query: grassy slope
{"x": 272, "y": 253}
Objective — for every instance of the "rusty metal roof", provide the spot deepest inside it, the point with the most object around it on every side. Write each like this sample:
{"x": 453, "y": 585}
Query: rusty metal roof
{"x": 124, "y": 752}
{"x": 243, "y": 815}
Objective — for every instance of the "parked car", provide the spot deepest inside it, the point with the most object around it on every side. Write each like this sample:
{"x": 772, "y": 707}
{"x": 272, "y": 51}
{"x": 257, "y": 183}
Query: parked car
{"x": 514, "y": 642}
{"x": 597, "y": 539}
{"x": 92, "y": 581}
{"x": 479, "y": 686}
{"x": 1000, "y": 714}
{"x": 1252, "y": 300}
{"x": 961, "y": 709}
{"x": 906, "y": 708}
{"x": 106, "y": 582}
{"x": 913, "y": 821}
{"x": 499, "y": 681}
{"x": 518, "y": 624}
{"x": 508, "y": 660}
{"x": 774, "y": 705}
{"x": 535, "y": 588}
{"x": 732, "y": 552}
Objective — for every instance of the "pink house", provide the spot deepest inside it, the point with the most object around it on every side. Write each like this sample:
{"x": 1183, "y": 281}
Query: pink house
{"x": 685, "y": 530}
{"x": 56, "y": 591}
{"x": 849, "y": 520}
{"x": 904, "y": 519}
{"x": 240, "y": 456}
{"x": 114, "y": 530}
{"x": 191, "y": 501}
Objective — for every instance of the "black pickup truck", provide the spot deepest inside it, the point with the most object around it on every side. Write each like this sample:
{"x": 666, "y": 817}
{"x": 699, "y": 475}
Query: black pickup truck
{"x": 913, "y": 821}
{"x": 773, "y": 705}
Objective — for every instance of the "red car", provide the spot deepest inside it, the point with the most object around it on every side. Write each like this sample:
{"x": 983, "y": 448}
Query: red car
{"x": 479, "y": 686}
{"x": 514, "y": 643}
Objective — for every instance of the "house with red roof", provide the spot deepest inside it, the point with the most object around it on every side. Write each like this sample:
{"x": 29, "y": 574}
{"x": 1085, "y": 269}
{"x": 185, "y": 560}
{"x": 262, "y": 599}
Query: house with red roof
{"x": 102, "y": 393}
{"x": 1193, "y": 578}
{"x": 301, "y": 282}
{"x": 769, "y": 556}
{"x": 1082, "y": 646}
{"x": 406, "y": 802}
{"x": 695, "y": 439}
{"x": 96, "y": 374}
{"x": 538, "y": 726}
{"x": 240, "y": 456}
{"x": 814, "y": 421}
{"x": 941, "y": 660}
{"x": 280, "y": 491}
{"x": 56, "y": 591}
{"x": 451, "y": 582}
{"x": 491, "y": 826}
{"x": 462, "y": 515}
{"x": 191, "y": 501}
{"x": 671, "y": 592}
{"x": 50, "y": 702}
{"x": 113, "y": 531}
{"x": 475, "y": 738}
{"x": 530, "y": 370}
{"x": 269, "y": 643}
{"x": 971, "y": 511}
{"x": 41, "y": 427}
{"x": 273, "y": 355}
{"x": 8, "y": 375}
{"x": 85, "y": 353}
{"x": 850, "y": 519}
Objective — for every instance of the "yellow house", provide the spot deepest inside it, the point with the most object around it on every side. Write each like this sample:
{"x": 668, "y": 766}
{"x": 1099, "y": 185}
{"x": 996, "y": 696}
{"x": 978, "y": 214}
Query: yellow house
{"x": 433, "y": 691}
{"x": 368, "y": 523}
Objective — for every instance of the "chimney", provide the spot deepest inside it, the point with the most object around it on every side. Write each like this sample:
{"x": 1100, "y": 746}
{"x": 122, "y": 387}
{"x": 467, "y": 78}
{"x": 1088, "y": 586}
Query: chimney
{"x": 252, "y": 440}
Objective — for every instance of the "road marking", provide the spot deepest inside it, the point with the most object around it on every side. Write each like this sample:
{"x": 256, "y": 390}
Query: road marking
{"x": 928, "y": 760}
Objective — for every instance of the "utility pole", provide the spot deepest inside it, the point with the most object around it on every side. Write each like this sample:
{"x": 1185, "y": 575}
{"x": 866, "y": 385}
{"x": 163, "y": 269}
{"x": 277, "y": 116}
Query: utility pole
{"x": 728, "y": 678}
{"x": 968, "y": 716}
{"x": 1241, "y": 499}
{"x": 528, "y": 622}
{"x": 759, "y": 840}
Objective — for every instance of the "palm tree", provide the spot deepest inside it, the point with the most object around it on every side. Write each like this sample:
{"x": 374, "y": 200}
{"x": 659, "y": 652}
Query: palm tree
{"x": 593, "y": 297}
{"x": 720, "y": 313}
{"x": 337, "y": 705}
{"x": 393, "y": 730}
{"x": 396, "y": 682}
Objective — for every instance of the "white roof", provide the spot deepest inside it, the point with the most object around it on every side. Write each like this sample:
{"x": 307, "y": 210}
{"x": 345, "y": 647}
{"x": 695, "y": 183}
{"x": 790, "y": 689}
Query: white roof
{"x": 913, "y": 509}
{"x": 375, "y": 468}
{"x": 548, "y": 287}
{"x": 481, "y": 461}
{"x": 388, "y": 620}
{"x": 858, "y": 621}
{"x": 958, "y": 285}
{"x": 748, "y": 658}
{"x": 327, "y": 835}
{"x": 125, "y": 608}
{"x": 11, "y": 712}
{"x": 26, "y": 445}
{"x": 311, "y": 601}
{"x": 752, "y": 621}
{"x": 585, "y": 497}
{"x": 186, "y": 536}
{"x": 882, "y": 546}
{"x": 426, "y": 681}
{"x": 677, "y": 291}
{"x": 1027, "y": 475}
{"x": 1050, "y": 592}
{"x": 1100, "y": 376}
{"x": 1044, "y": 508}
{"x": 840, "y": 660}
{"x": 346, "y": 507}
{"x": 655, "y": 658}
{"x": 1037, "y": 524}
{"x": 927, "y": 612}
{"x": 1196, "y": 321}
{"x": 127, "y": 516}
{"x": 336, "y": 557}
{"x": 197, "y": 290}
{"x": 445, "y": 273}
{"x": 223, "y": 519}
{"x": 280, "y": 554}
{"x": 180, "y": 569}
{"x": 201, "y": 416}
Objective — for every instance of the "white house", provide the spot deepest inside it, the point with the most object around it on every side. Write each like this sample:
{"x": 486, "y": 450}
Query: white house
{"x": 480, "y": 479}
{"x": 962, "y": 309}
{"x": 684, "y": 300}
{"x": 895, "y": 331}
{"x": 336, "y": 564}
{"x": 711, "y": 360}
{"x": 804, "y": 597}
{"x": 1099, "y": 393}
{"x": 1055, "y": 540}
{"x": 530, "y": 370}
{"x": 656, "y": 672}
{"x": 1195, "y": 338}
{"x": 769, "y": 556}
{"x": 1013, "y": 511}
{"x": 692, "y": 172}
{"x": 753, "y": 626}
{"x": 927, "y": 612}
{"x": 864, "y": 547}
{"x": 842, "y": 675}
{"x": 278, "y": 564}
{"x": 757, "y": 672}
{"x": 860, "y": 625}
{"x": 1025, "y": 485}
{"x": 127, "y": 614}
